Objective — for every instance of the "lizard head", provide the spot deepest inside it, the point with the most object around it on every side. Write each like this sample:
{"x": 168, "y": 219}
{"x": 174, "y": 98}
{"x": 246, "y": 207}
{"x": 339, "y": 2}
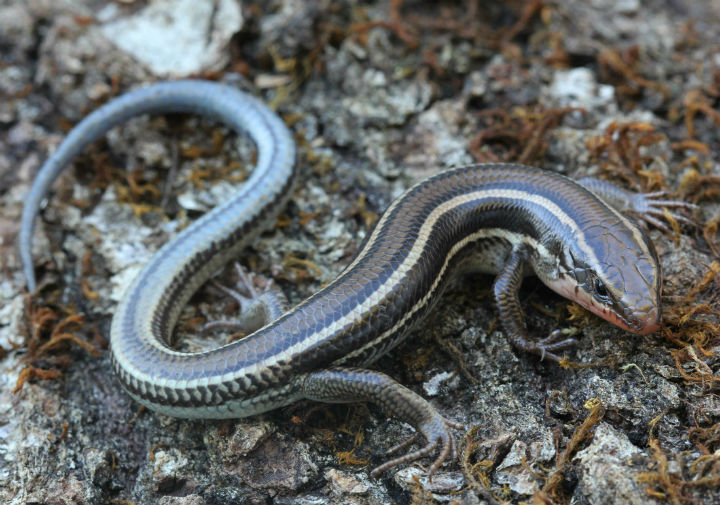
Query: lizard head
{"x": 613, "y": 271}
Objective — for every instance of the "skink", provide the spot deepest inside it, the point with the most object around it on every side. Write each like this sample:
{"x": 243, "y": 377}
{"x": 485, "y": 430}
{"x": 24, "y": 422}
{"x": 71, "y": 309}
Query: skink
{"x": 509, "y": 220}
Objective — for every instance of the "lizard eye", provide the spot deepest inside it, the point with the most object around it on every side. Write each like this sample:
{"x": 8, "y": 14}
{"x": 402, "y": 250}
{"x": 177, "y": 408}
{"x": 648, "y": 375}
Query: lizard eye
{"x": 600, "y": 289}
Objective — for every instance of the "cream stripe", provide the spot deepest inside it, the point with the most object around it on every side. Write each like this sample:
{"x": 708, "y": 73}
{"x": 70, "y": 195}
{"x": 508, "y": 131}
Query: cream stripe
{"x": 513, "y": 238}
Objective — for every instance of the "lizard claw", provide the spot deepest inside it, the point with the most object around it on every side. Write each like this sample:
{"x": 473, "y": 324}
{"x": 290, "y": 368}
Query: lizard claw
{"x": 436, "y": 431}
{"x": 546, "y": 347}
{"x": 257, "y": 308}
{"x": 651, "y": 209}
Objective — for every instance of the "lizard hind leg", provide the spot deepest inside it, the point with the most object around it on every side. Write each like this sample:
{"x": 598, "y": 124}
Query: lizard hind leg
{"x": 257, "y": 307}
{"x": 348, "y": 385}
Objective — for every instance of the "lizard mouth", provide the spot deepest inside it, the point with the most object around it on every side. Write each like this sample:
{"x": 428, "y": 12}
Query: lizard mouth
{"x": 640, "y": 321}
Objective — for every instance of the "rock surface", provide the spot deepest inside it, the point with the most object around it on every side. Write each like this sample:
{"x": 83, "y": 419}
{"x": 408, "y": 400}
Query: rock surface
{"x": 379, "y": 95}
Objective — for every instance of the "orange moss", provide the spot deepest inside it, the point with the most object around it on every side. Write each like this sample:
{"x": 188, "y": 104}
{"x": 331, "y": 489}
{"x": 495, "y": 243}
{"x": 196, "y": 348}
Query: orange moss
{"x": 697, "y": 101}
{"x": 618, "y": 153}
{"x": 551, "y": 491}
{"x": 47, "y": 343}
{"x": 666, "y": 484}
{"x": 518, "y": 136}
{"x": 624, "y": 65}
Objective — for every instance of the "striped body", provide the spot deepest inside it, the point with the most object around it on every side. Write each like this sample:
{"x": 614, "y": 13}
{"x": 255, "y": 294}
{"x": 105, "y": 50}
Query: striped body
{"x": 507, "y": 219}
{"x": 466, "y": 219}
